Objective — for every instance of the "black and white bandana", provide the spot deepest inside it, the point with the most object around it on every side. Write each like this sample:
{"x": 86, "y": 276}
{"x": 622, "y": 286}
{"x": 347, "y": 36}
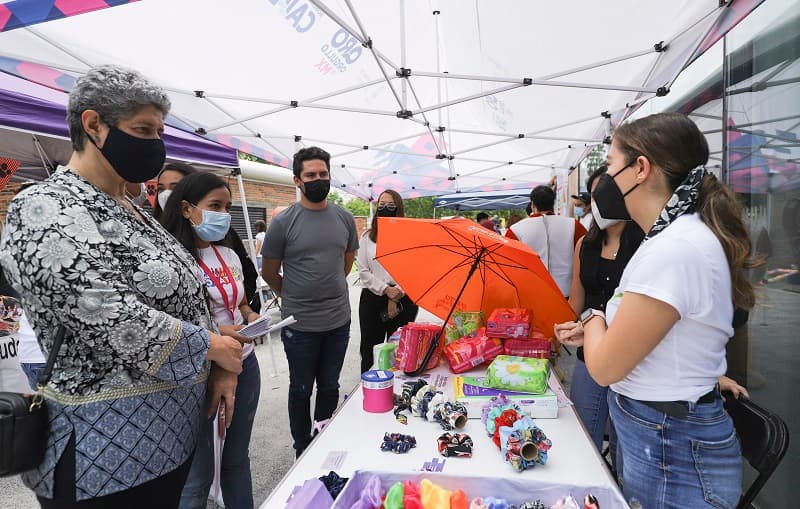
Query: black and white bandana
{"x": 682, "y": 201}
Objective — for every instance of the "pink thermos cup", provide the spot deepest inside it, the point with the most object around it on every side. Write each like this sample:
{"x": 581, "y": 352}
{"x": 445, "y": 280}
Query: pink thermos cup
{"x": 377, "y": 387}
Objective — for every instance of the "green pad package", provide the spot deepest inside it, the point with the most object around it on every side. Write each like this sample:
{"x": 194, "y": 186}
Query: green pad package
{"x": 520, "y": 374}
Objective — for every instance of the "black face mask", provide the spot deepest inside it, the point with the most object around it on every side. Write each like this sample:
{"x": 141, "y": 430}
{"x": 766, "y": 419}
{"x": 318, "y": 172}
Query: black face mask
{"x": 134, "y": 159}
{"x": 608, "y": 197}
{"x": 316, "y": 190}
{"x": 386, "y": 212}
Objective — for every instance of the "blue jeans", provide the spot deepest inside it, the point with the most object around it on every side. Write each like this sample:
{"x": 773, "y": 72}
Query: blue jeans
{"x": 313, "y": 357}
{"x": 591, "y": 404}
{"x": 33, "y": 370}
{"x": 235, "y": 478}
{"x": 677, "y": 463}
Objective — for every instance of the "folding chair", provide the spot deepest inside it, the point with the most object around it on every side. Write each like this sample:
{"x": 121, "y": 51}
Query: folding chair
{"x": 764, "y": 438}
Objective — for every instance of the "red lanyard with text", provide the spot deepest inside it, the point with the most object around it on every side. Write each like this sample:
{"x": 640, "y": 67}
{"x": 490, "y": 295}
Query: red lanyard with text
{"x": 229, "y": 307}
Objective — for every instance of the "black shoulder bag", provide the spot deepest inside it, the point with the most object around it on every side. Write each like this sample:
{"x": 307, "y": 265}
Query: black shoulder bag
{"x": 24, "y": 422}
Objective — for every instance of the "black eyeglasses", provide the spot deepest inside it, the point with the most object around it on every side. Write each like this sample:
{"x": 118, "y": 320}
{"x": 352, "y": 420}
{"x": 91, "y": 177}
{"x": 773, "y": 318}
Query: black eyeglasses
{"x": 387, "y": 206}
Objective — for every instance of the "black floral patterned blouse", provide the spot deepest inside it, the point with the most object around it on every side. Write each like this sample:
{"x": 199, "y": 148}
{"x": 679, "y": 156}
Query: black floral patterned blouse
{"x": 129, "y": 381}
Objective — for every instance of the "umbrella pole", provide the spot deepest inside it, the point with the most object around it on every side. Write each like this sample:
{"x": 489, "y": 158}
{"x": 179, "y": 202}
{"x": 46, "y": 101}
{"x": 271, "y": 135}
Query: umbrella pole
{"x": 438, "y": 337}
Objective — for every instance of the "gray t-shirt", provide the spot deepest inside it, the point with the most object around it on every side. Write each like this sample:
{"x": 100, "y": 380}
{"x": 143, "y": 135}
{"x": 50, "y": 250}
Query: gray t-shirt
{"x": 312, "y": 244}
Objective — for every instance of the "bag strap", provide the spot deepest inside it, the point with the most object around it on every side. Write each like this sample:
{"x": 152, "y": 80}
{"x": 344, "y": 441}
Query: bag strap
{"x": 51, "y": 358}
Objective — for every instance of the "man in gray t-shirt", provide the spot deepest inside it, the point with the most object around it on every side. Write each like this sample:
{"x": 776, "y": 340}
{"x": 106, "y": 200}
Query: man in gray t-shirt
{"x": 316, "y": 243}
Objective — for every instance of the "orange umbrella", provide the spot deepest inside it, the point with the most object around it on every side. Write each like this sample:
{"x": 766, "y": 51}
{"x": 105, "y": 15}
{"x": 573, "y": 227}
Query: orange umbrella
{"x": 450, "y": 264}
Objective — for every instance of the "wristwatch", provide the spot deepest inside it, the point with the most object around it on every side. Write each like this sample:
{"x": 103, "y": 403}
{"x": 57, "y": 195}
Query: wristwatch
{"x": 589, "y": 314}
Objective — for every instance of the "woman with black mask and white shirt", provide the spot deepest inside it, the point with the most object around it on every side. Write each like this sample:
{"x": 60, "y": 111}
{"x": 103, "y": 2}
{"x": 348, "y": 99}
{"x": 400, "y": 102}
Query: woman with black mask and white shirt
{"x": 383, "y": 307}
{"x": 661, "y": 344}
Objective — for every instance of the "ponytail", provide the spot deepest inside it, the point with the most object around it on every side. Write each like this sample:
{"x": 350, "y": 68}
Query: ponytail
{"x": 719, "y": 209}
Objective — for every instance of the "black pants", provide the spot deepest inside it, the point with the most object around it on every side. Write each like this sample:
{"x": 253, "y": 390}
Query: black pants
{"x": 373, "y": 329}
{"x": 161, "y": 493}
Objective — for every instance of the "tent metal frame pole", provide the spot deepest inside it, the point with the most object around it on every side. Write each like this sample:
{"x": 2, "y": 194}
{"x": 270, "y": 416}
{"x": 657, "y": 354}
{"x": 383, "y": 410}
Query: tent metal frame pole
{"x": 378, "y": 145}
{"x": 524, "y": 136}
{"x": 287, "y": 106}
{"x": 362, "y": 149}
{"x": 254, "y": 133}
{"x": 593, "y": 86}
{"x": 535, "y": 81}
{"x": 542, "y": 154}
{"x": 599, "y": 64}
{"x": 39, "y": 61}
{"x": 339, "y": 21}
{"x": 436, "y": 16}
{"x": 372, "y": 50}
{"x": 502, "y": 163}
{"x": 425, "y": 118}
{"x": 59, "y": 47}
{"x": 720, "y": 11}
{"x": 474, "y": 77}
{"x": 257, "y": 135}
{"x": 216, "y": 95}
{"x": 404, "y": 83}
{"x": 296, "y": 104}
{"x": 467, "y": 98}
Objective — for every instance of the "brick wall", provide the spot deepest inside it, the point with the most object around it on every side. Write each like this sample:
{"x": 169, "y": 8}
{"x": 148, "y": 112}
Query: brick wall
{"x": 6, "y": 194}
{"x": 260, "y": 194}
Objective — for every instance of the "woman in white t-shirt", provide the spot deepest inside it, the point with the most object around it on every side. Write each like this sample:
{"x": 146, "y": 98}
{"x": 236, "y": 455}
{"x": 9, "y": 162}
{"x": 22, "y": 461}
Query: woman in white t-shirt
{"x": 661, "y": 347}
{"x": 197, "y": 214}
{"x": 383, "y": 307}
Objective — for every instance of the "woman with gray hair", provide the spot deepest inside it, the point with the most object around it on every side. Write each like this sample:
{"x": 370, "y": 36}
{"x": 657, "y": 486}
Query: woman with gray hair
{"x": 129, "y": 384}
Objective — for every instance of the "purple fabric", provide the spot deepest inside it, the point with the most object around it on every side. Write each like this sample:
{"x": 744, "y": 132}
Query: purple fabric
{"x": 39, "y": 109}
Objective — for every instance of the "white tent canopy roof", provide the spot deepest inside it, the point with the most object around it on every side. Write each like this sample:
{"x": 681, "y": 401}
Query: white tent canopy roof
{"x": 424, "y": 97}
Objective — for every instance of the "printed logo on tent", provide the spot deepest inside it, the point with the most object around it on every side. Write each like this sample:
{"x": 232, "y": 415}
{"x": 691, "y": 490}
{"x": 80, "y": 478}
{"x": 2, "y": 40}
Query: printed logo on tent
{"x": 339, "y": 52}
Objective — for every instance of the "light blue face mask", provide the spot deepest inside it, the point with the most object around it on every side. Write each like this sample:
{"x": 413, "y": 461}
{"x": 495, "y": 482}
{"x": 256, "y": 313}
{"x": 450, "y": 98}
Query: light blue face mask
{"x": 578, "y": 211}
{"x": 214, "y": 227}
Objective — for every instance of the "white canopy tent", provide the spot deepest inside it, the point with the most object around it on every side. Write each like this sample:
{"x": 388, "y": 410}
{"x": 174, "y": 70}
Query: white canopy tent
{"x": 427, "y": 98}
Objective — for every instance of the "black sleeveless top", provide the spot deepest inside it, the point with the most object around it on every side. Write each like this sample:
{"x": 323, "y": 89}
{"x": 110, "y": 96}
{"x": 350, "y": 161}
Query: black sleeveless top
{"x": 600, "y": 276}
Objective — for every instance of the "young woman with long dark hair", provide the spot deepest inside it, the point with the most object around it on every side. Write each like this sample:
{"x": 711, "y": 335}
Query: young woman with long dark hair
{"x": 661, "y": 346}
{"x": 383, "y": 307}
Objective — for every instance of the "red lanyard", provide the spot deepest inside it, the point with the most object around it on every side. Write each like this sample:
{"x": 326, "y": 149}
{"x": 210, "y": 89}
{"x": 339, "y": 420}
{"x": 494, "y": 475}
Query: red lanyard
{"x": 229, "y": 307}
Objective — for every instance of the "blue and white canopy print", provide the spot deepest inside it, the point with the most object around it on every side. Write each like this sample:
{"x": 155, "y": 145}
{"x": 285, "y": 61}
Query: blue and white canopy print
{"x": 425, "y": 97}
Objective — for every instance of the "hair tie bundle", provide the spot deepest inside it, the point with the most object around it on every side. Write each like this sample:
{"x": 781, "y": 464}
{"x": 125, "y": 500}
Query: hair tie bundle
{"x": 456, "y": 444}
{"x": 398, "y": 443}
{"x": 450, "y": 415}
{"x": 403, "y": 401}
{"x": 522, "y": 443}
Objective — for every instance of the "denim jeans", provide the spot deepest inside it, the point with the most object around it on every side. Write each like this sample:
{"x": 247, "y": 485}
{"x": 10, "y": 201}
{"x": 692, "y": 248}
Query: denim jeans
{"x": 33, "y": 370}
{"x": 677, "y": 463}
{"x": 313, "y": 357}
{"x": 591, "y": 404}
{"x": 235, "y": 478}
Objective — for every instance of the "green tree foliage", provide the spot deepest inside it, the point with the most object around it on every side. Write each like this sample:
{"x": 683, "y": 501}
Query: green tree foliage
{"x": 357, "y": 207}
{"x": 336, "y": 198}
{"x": 249, "y": 157}
{"x": 420, "y": 207}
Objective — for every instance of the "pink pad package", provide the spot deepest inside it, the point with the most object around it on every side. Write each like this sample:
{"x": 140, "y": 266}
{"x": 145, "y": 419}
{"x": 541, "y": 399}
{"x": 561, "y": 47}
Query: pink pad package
{"x": 414, "y": 342}
{"x": 509, "y": 323}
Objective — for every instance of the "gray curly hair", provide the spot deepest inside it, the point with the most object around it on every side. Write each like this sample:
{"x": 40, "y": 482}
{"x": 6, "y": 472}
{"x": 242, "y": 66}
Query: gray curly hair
{"x": 115, "y": 93}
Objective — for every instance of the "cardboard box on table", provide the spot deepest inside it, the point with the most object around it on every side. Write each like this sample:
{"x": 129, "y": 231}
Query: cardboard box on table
{"x": 516, "y": 489}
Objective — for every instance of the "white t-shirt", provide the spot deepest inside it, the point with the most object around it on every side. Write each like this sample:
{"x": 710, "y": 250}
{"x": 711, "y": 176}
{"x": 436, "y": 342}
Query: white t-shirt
{"x": 373, "y": 276}
{"x": 684, "y": 266}
{"x": 220, "y": 313}
{"x": 29, "y": 350}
